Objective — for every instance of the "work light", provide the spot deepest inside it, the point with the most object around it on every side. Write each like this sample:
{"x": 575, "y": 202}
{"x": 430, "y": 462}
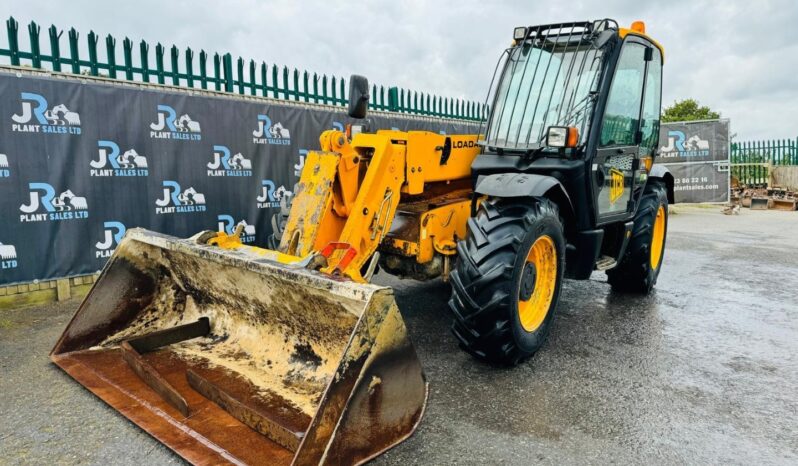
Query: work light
{"x": 562, "y": 136}
{"x": 519, "y": 33}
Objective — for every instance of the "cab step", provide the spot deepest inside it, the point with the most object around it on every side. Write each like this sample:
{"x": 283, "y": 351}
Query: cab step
{"x": 605, "y": 263}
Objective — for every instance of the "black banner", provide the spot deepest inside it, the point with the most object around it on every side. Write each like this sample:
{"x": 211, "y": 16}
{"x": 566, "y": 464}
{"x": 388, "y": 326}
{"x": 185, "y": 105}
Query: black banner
{"x": 697, "y": 154}
{"x": 80, "y": 162}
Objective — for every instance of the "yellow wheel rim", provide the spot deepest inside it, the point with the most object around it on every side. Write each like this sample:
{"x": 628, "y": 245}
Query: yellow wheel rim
{"x": 658, "y": 238}
{"x": 542, "y": 258}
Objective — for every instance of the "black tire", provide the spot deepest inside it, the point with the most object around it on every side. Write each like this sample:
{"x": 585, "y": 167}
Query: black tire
{"x": 635, "y": 273}
{"x": 486, "y": 280}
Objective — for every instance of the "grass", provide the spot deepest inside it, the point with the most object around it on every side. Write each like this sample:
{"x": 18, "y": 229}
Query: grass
{"x": 6, "y": 324}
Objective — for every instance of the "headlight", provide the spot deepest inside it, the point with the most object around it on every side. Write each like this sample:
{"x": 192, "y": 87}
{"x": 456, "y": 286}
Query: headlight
{"x": 562, "y": 136}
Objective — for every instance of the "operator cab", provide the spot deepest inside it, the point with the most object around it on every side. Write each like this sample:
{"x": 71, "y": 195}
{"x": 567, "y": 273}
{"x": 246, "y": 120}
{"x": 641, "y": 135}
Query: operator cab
{"x": 580, "y": 102}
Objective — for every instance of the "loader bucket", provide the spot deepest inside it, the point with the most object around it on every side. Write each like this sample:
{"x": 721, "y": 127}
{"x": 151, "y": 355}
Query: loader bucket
{"x": 227, "y": 357}
{"x": 760, "y": 203}
{"x": 787, "y": 204}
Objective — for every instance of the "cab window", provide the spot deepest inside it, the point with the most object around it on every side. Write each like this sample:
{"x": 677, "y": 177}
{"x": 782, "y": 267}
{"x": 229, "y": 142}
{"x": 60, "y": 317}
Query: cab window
{"x": 622, "y": 113}
{"x": 649, "y": 123}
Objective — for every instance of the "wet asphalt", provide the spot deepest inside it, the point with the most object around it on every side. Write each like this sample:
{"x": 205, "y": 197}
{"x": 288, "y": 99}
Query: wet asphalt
{"x": 703, "y": 370}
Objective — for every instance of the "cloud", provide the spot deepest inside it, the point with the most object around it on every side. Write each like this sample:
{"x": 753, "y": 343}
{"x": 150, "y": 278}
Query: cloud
{"x": 738, "y": 57}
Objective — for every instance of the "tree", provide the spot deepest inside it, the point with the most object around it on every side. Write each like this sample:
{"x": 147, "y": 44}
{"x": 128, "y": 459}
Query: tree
{"x": 688, "y": 110}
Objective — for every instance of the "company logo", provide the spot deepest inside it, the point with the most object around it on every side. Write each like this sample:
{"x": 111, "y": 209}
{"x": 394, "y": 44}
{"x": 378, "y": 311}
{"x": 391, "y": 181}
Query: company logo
{"x": 112, "y": 235}
{"x": 303, "y": 153}
{"x": 616, "y": 185}
{"x": 8, "y": 256}
{"x": 266, "y": 133}
{"x": 270, "y": 196}
{"x": 225, "y": 165}
{"x": 128, "y": 164}
{"x": 169, "y": 126}
{"x": 176, "y": 200}
{"x": 228, "y": 225}
{"x": 681, "y": 146}
{"x": 4, "y": 171}
{"x": 65, "y": 206}
{"x": 37, "y": 118}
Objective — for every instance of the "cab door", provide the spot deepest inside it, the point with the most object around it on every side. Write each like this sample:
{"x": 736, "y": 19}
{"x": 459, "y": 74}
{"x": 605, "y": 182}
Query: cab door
{"x": 615, "y": 169}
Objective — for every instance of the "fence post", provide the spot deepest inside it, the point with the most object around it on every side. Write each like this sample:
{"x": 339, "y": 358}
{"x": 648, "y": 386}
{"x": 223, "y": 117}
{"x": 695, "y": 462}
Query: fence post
{"x": 315, "y": 88}
{"x": 285, "y": 83}
{"x": 110, "y": 53}
{"x": 252, "y": 78}
{"x": 92, "y": 39}
{"x": 263, "y": 74}
{"x": 73, "y": 50}
{"x": 240, "y": 70}
{"x": 55, "y": 47}
{"x": 305, "y": 92}
{"x": 275, "y": 83}
{"x": 189, "y": 67}
{"x": 217, "y": 72}
{"x": 12, "y": 26}
{"x": 127, "y": 54}
{"x": 33, "y": 31}
{"x": 175, "y": 67}
{"x": 159, "y": 50}
{"x": 203, "y": 66}
{"x": 393, "y": 99}
{"x": 296, "y": 85}
{"x": 144, "y": 50}
{"x": 228, "y": 72}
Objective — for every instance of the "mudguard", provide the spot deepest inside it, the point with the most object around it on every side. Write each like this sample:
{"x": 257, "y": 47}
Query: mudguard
{"x": 526, "y": 185}
{"x": 661, "y": 172}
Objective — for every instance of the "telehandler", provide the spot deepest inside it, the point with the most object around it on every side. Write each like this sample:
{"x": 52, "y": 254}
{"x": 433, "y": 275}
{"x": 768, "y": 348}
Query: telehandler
{"x": 230, "y": 353}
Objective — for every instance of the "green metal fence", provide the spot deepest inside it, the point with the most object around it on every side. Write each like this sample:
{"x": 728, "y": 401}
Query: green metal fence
{"x": 217, "y": 72}
{"x": 751, "y": 160}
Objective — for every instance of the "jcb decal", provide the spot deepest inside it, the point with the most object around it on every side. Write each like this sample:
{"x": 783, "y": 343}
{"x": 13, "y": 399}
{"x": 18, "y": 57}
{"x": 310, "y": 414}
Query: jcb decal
{"x": 616, "y": 185}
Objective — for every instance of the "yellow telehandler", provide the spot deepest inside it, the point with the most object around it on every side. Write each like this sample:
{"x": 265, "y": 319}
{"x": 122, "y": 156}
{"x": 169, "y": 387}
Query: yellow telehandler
{"x": 229, "y": 353}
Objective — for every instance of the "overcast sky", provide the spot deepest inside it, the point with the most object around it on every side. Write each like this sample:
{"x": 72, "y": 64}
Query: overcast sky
{"x": 738, "y": 57}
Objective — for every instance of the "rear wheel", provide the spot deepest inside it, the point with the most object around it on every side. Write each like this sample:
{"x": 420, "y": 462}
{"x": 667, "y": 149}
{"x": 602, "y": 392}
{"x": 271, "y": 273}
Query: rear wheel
{"x": 640, "y": 266}
{"x": 506, "y": 283}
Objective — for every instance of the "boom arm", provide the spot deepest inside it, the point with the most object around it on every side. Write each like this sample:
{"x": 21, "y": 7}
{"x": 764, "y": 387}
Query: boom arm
{"x": 348, "y": 193}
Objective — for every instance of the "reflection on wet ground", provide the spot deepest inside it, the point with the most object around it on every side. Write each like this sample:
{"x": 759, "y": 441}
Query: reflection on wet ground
{"x": 704, "y": 370}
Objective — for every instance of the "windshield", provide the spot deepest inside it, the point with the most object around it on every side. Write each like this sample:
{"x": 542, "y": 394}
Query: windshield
{"x": 547, "y": 81}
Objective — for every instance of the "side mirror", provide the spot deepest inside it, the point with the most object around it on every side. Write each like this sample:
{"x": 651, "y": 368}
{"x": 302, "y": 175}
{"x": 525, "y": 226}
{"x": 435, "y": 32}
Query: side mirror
{"x": 358, "y": 96}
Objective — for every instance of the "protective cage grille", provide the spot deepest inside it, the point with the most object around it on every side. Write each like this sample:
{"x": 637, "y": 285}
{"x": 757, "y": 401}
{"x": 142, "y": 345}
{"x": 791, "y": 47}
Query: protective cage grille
{"x": 548, "y": 79}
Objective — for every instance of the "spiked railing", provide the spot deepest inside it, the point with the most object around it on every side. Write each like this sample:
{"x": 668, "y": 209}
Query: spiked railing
{"x": 750, "y": 160}
{"x": 220, "y": 72}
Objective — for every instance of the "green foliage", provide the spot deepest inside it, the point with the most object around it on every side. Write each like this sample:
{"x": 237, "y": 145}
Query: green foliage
{"x": 688, "y": 110}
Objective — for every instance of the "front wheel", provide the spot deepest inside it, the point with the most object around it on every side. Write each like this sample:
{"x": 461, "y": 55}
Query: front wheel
{"x": 507, "y": 280}
{"x": 640, "y": 266}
